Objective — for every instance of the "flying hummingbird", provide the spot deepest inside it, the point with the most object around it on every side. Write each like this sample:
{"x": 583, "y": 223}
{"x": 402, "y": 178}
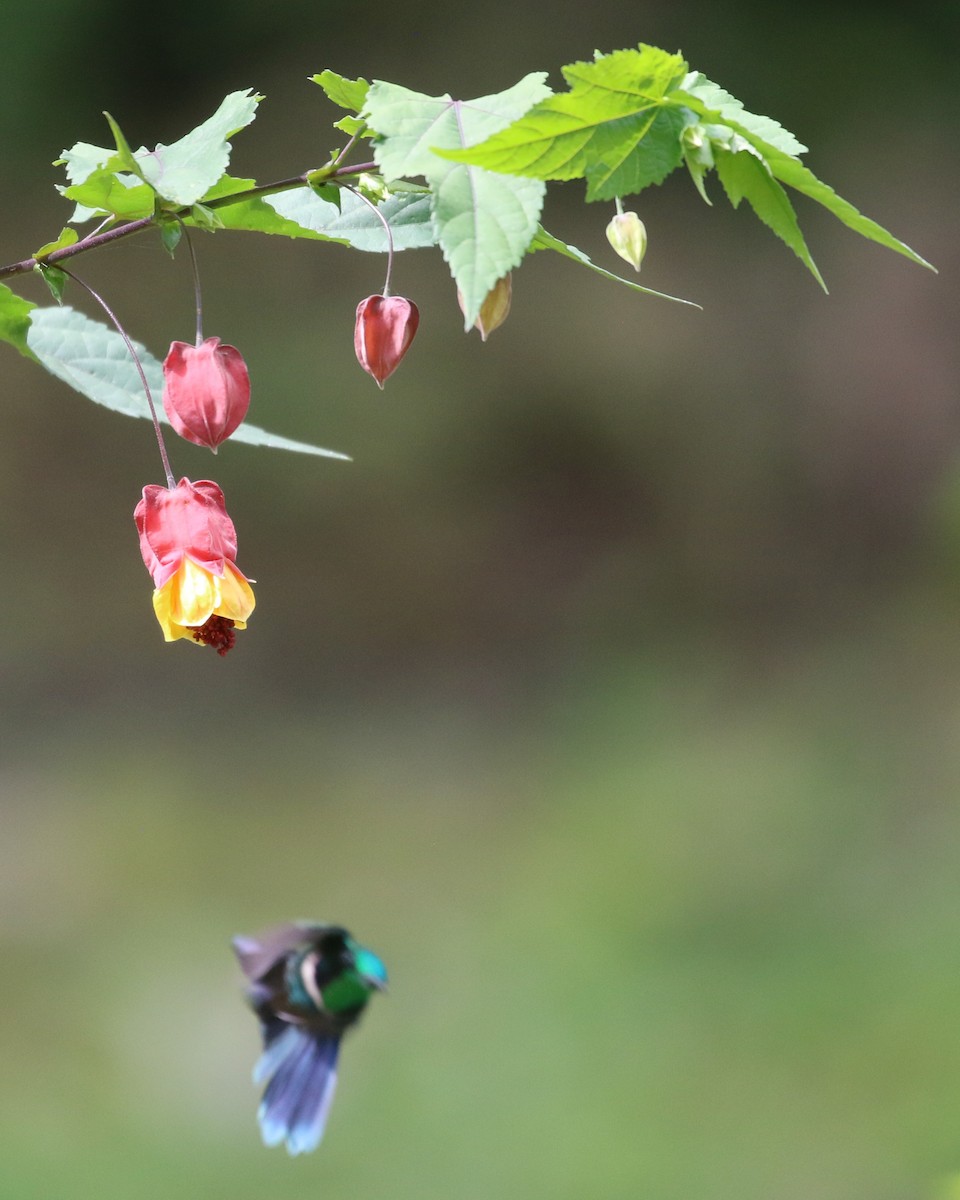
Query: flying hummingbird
{"x": 307, "y": 984}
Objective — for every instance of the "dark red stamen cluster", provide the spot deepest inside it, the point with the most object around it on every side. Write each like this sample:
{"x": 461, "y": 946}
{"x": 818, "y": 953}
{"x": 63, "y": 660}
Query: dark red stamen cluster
{"x": 217, "y": 632}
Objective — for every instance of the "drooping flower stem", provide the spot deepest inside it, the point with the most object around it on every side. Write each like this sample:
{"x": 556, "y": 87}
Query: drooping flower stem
{"x": 171, "y": 482}
{"x": 196, "y": 279}
{"x": 389, "y": 232}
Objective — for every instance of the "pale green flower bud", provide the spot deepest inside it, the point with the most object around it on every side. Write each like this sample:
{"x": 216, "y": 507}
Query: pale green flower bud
{"x": 627, "y": 235}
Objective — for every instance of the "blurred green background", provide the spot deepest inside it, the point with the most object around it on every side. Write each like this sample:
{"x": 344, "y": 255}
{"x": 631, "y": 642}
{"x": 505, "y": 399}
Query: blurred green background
{"x": 612, "y": 693}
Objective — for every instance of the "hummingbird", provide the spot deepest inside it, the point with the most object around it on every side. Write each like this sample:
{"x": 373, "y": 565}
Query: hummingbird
{"x": 308, "y": 983}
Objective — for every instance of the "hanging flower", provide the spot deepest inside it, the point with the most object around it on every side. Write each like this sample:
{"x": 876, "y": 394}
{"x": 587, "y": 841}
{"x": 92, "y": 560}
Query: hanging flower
{"x": 206, "y": 391}
{"x": 385, "y": 328}
{"x": 189, "y": 546}
{"x": 495, "y": 307}
{"x": 627, "y": 234}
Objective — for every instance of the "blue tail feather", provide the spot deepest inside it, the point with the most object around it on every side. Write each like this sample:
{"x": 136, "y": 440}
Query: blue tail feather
{"x": 300, "y": 1071}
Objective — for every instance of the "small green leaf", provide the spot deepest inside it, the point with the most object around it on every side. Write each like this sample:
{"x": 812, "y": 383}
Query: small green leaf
{"x": 328, "y": 192}
{"x": 745, "y": 175}
{"x": 227, "y": 185}
{"x": 171, "y": 232}
{"x": 94, "y": 361}
{"x": 347, "y": 93}
{"x": 68, "y": 237}
{"x": 205, "y": 218}
{"x": 55, "y": 280}
{"x": 124, "y": 153}
{"x": 350, "y": 125}
{"x": 15, "y": 320}
{"x": 546, "y": 241}
{"x": 183, "y": 172}
{"x": 105, "y": 193}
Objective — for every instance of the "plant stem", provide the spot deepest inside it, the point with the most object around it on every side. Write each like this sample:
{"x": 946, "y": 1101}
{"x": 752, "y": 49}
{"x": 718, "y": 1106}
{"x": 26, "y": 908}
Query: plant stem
{"x": 95, "y": 241}
{"x": 196, "y": 281}
{"x": 386, "y": 225}
{"x": 171, "y": 482}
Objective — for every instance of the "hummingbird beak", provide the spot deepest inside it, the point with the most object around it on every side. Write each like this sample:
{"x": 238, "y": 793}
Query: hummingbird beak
{"x": 375, "y": 981}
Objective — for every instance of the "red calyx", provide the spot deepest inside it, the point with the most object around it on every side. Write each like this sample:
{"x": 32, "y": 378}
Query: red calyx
{"x": 385, "y": 328}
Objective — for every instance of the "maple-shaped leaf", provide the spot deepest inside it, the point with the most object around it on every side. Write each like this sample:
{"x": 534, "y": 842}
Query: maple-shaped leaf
{"x": 101, "y": 179}
{"x": 483, "y": 221}
{"x": 616, "y": 126}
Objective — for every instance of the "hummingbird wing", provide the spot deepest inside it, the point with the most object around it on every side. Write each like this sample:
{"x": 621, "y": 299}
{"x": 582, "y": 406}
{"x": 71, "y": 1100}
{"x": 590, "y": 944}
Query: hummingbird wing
{"x": 299, "y": 1067}
{"x": 257, "y": 955}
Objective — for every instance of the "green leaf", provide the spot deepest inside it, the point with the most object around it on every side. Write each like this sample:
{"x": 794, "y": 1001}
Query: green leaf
{"x": 410, "y": 125}
{"x": 82, "y": 159}
{"x": 614, "y": 127}
{"x": 256, "y": 213}
{"x": 546, "y": 241}
{"x": 124, "y": 153}
{"x": 631, "y": 165}
{"x": 205, "y": 218}
{"x": 779, "y": 149}
{"x": 15, "y": 320}
{"x": 55, "y": 279}
{"x": 68, "y": 237}
{"x": 93, "y": 360}
{"x": 327, "y": 191}
{"x": 745, "y": 175}
{"x": 183, "y": 172}
{"x": 409, "y": 215}
{"x": 347, "y": 93}
{"x": 171, "y": 231}
{"x": 106, "y": 193}
{"x": 101, "y": 180}
{"x": 482, "y": 222}
{"x": 714, "y": 104}
{"x": 796, "y": 175}
{"x": 350, "y": 125}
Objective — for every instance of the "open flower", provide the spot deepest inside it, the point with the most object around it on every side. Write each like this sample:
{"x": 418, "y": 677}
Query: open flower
{"x": 382, "y": 335}
{"x": 189, "y": 545}
{"x": 206, "y": 391}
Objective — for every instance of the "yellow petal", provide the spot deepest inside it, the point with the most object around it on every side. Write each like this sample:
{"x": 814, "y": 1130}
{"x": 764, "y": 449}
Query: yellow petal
{"x": 237, "y": 600}
{"x": 194, "y": 594}
{"x": 161, "y": 606}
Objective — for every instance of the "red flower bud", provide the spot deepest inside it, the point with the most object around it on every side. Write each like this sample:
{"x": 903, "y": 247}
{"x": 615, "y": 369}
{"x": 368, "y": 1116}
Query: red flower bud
{"x": 206, "y": 391}
{"x": 384, "y": 330}
{"x": 189, "y": 544}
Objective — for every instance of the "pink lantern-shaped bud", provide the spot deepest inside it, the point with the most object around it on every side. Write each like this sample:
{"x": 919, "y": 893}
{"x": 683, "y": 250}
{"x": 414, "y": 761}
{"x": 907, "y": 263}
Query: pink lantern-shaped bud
{"x": 385, "y": 328}
{"x": 206, "y": 391}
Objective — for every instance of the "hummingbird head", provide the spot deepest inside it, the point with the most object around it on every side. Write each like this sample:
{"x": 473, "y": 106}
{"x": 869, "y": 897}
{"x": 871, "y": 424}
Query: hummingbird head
{"x": 368, "y": 967}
